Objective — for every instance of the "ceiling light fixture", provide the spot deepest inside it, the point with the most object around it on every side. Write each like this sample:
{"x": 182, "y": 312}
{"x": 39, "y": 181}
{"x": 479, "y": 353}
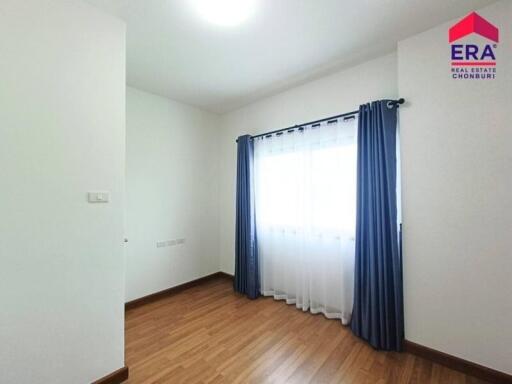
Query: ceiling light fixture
{"x": 225, "y": 12}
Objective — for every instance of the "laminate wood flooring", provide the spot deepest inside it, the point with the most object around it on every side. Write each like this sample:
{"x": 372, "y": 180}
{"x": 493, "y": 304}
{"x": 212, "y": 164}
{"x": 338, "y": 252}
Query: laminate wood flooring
{"x": 209, "y": 334}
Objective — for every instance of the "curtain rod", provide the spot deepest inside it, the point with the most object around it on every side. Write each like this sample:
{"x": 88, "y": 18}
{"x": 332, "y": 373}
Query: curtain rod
{"x": 347, "y": 114}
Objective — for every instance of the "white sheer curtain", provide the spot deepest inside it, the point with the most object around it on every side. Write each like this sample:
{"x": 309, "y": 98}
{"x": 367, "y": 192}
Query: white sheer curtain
{"x": 305, "y": 192}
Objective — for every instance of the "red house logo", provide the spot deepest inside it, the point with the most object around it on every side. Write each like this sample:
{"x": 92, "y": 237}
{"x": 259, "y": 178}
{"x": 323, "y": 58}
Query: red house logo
{"x": 473, "y": 23}
{"x": 473, "y": 61}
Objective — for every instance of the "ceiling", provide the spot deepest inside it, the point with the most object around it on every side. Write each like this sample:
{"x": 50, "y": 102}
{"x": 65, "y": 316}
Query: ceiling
{"x": 172, "y": 51}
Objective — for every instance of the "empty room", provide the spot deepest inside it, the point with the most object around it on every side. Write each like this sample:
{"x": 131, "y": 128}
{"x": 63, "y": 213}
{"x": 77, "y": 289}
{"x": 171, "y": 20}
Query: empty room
{"x": 255, "y": 191}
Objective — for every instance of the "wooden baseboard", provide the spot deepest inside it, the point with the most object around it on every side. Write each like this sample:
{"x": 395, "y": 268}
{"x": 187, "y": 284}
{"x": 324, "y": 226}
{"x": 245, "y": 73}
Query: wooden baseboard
{"x": 116, "y": 377}
{"x": 458, "y": 364}
{"x": 226, "y": 275}
{"x": 170, "y": 291}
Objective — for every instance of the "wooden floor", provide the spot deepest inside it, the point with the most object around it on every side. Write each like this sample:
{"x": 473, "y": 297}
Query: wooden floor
{"x": 207, "y": 334}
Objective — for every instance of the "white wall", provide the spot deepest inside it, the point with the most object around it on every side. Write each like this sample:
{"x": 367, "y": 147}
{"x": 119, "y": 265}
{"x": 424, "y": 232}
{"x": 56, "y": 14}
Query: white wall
{"x": 328, "y": 96}
{"x": 457, "y": 199}
{"x": 172, "y": 193}
{"x": 62, "y": 75}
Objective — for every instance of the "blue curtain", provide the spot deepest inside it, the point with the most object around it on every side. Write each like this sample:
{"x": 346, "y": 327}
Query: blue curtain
{"x": 247, "y": 279}
{"x": 378, "y": 294}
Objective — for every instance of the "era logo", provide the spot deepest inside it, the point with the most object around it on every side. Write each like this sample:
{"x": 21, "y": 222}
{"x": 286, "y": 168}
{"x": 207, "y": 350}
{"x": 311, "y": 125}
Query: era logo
{"x": 470, "y": 60}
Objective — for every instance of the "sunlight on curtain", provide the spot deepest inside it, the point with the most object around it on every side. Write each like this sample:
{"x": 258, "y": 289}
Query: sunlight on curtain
{"x": 305, "y": 192}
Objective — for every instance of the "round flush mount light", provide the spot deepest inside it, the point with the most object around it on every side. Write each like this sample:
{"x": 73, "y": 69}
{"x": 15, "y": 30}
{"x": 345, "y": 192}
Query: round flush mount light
{"x": 225, "y": 12}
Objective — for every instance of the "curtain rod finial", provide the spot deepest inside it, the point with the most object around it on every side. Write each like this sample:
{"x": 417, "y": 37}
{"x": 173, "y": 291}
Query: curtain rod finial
{"x": 395, "y": 103}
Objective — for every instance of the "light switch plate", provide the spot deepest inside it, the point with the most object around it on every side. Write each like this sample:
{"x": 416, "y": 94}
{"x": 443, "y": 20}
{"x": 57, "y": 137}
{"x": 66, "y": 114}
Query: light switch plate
{"x": 98, "y": 197}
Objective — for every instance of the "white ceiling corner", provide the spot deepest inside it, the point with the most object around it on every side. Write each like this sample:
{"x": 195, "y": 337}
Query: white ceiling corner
{"x": 172, "y": 52}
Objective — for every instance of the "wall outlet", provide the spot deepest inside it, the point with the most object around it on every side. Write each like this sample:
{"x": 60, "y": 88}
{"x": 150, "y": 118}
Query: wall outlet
{"x": 170, "y": 243}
